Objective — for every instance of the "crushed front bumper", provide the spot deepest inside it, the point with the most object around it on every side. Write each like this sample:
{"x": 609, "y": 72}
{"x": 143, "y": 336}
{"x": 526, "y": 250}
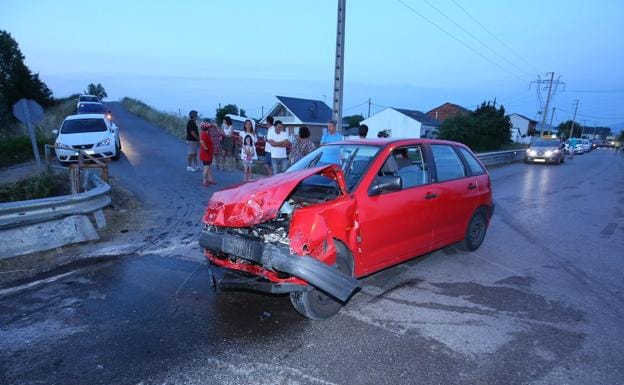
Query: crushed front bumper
{"x": 278, "y": 258}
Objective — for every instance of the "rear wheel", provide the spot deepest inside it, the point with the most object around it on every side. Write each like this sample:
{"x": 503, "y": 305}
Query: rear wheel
{"x": 475, "y": 233}
{"x": 317, "y": 305}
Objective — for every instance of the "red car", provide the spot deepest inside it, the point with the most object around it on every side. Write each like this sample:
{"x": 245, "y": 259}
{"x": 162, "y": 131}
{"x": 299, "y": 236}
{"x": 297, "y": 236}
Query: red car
{"x": 344, "y": 211}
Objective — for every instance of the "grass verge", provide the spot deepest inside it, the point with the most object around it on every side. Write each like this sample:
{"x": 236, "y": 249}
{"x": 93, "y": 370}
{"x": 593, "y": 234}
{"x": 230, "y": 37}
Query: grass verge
{"x": 35, "y": 187}
{"x": 170, "y": 122}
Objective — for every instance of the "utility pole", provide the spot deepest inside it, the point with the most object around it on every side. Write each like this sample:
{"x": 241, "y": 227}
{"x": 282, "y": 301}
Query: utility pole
{"x": 369, "y": 105}
{"x": 550, "y": 83}
{"x": 576, "y": 102}
{"x": 339, "y": 72}
{"x": 583, "y": 130}
{"x": 552, "y": 116}
{"x": 262, "y": 115}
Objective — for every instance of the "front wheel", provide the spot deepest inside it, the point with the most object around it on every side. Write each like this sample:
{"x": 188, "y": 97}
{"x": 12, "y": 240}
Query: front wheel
{"x": 475, "y": 233}
{"x": 117, "y": 150}
{"x": 317, "y": 305}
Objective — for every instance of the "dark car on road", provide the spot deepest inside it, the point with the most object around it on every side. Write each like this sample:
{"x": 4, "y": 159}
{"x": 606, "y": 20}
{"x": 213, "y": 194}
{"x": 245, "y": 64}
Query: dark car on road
{"x": 545, "y": 151}
{"x": 345, "y": 211}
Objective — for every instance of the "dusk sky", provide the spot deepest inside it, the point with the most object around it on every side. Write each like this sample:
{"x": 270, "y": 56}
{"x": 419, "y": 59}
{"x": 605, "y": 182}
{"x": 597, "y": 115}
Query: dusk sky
{"x": 197, "y": 54}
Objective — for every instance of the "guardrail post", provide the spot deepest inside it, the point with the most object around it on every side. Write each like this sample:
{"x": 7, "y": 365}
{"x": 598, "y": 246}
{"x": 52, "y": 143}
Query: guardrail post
{"x": 74, "y": 178}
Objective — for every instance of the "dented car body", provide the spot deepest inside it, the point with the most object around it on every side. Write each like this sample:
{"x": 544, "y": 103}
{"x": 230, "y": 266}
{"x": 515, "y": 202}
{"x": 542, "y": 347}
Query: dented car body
{"x": 344, "y": 211}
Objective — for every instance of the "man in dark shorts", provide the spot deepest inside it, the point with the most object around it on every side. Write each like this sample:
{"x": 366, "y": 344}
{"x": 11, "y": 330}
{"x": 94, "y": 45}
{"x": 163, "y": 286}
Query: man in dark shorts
{"x": 267, "y": 147}
{"x": 192, "y": 138}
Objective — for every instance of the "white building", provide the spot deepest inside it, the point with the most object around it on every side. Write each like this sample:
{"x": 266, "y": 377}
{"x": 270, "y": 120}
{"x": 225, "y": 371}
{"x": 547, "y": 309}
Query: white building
{"x": 402, "y": 123}
{"x": 522, "y": 128}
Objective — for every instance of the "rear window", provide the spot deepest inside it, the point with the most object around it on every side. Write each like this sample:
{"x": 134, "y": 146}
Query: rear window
{"x": 88, "y": 99}
{"x": 91, "y": 109}
{"x": 473, "y": 163}
{"x": 75, "y": 126}
{"x": 447, "y": 163}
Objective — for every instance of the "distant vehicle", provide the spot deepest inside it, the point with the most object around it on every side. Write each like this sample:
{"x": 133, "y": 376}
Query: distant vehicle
{"x": 610, "y": 140}
{"x": 545, "y": 151}
{"x": 91, "y": 108}
{"x": 578, "y": 148}
{"x": 93, "y": 133}
{"x": 587, "y": 147}
{"x": 238, "y": 122}
{"x": 87, "y": 98}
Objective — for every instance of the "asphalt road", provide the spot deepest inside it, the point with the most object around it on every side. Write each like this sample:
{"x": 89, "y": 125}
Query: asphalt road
{"x": 541, "y": 302}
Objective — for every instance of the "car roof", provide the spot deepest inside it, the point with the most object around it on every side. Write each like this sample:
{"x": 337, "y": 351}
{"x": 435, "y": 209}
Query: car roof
{"x": 398, "y": 142}
{"x": 92, "y": 96}
{"x": 85, "y": 116}
{"x": 89, "y": 102}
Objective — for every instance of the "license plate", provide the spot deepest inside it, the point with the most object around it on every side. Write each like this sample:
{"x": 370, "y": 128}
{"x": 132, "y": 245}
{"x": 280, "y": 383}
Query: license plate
{"x": 90, "y": 152}
{"x": 540, "y": 160}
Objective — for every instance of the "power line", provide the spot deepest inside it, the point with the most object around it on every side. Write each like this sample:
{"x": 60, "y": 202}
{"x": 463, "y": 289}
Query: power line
{"x": 356, "y": 106}
{"x": 496, "y": 37}
{"x": 594, "y": 116}
{"x": 459, "y": 40}
{"x": 475, "y": 37}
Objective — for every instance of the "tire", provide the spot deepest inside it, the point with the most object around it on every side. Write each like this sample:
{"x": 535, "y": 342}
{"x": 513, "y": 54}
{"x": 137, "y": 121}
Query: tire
{"x": 475, "y": 233}
{"x": 117, "y": 151}
{"x": 317, "y": 305}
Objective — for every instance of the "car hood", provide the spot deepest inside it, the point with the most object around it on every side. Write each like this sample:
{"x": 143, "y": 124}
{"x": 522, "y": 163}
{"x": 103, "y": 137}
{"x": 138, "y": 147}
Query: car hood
{"x": 258, "y": 201}
{"x": 83, "y": 138}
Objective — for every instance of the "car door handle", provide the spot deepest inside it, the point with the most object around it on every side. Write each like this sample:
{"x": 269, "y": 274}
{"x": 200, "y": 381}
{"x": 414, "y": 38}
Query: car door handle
{"x": 430, "y": 195}
{"x": 472, "y": 186}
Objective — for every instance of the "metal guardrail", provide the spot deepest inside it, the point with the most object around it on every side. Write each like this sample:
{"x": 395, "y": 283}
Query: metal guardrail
{"x": 14, "y": 214}
{"x": 501, "y": 157}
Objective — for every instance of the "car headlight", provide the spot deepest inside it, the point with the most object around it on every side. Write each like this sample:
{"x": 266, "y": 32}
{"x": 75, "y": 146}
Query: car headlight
{"x": 532, "y": 152}
{"x": 557, "y": 151}
{"x": 104, "y": 142}
{"x": 548, "y": 153}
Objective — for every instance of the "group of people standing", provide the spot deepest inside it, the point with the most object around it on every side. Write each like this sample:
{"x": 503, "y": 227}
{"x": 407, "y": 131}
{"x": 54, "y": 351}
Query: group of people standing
{"x": 218, "y": 142}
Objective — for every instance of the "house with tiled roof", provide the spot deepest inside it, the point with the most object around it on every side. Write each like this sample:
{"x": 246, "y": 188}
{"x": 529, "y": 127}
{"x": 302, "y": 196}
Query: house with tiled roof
{"x": 402, "y": 123}
{"x": 446, "y": 110}
{"x": 297, "y": 112}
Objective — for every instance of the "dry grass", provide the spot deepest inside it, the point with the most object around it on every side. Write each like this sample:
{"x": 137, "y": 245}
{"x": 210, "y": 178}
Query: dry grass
{"x": 170, "y": 122}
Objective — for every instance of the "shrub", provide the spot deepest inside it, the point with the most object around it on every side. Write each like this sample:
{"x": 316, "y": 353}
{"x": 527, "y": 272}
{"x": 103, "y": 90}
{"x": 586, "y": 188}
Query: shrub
{"x": 39, "y": 186}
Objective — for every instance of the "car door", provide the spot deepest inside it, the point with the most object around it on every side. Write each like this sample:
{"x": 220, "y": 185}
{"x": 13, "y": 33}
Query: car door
{"x": 456, "y": 192}
{"x": 397, "y": 225}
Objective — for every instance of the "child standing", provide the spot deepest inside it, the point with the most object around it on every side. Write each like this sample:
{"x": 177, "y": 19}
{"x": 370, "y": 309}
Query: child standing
{"x": 206, "y": 151}
{"x": 248, "y": 155}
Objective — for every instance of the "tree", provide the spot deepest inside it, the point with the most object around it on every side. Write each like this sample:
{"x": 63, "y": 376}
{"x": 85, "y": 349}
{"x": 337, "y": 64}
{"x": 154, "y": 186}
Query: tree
{"x": 96, "y": 90}
{"x": 485, "y": 129}
{"x": 563, "y": 130}
{"x": 354, "y": 120}
{"x": 16, "y": 80}
{"x": 242, "y": 113}
{"x": 227, "y": 109}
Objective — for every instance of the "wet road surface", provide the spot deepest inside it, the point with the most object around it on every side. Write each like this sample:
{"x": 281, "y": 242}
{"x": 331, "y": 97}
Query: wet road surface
{"x": 541, "y": 302}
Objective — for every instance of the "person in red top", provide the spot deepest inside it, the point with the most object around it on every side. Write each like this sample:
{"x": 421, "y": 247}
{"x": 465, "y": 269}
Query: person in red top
{"x": 206, "y": 151}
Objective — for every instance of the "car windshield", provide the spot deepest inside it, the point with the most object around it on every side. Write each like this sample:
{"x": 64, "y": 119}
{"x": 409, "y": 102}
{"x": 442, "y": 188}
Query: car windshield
{"x": 91, "y": 108}
{"x": 354, "y": 160}
{"x": 76, "y": 126}
{"x": 546, "y": 143}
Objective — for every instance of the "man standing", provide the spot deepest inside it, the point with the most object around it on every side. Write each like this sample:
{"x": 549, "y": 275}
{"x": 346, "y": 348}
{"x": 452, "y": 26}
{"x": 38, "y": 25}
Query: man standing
{"x": 267, "y": 146}
{"x": 278, "y": 139}
{"x": 332, "y": 135}
{"x": 192, "y": 138}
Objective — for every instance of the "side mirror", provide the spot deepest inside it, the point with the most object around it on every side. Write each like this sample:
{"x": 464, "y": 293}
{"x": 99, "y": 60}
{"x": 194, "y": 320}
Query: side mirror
{"x": 55, "y": 132}
{"x": 385, "y": 183}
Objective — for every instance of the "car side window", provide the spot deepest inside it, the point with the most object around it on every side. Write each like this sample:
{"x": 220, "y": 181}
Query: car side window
{"x": 473, "y": 163}
{"x": 409, "y": 164}
{"x": 447, "y": 163}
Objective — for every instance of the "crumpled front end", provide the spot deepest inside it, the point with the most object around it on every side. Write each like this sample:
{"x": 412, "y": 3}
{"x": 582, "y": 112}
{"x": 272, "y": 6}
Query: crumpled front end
{"x": 249, "y": 236}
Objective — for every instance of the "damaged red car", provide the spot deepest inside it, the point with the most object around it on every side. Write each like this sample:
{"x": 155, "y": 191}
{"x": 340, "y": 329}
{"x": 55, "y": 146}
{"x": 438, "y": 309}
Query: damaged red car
{"x": 345, "y": 211}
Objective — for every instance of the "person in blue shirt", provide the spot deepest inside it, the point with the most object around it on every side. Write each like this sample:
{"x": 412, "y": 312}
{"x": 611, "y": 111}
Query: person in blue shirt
{"x": 331, "y": 135}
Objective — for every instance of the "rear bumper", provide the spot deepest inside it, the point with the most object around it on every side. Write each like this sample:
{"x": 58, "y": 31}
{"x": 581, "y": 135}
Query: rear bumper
{"x": 279, "y": 259}
{"x": 228, "y": 279}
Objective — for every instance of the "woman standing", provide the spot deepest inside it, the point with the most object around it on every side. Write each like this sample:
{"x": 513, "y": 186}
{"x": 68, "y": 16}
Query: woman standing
{"x": 206, "y": 150}
{"x": 216, "y": 136}
{"x": 248, "y": 149}
{"x": 228, "y": 141}
{"x": 302, "y": 145}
